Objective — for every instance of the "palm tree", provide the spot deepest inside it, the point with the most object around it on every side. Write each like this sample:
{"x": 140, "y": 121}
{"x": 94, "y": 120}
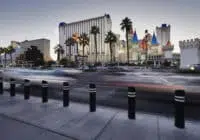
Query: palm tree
{"x": 70, "y": 42}
{"x": 59, "y": 50}
{"x": 147, "y": 38}
{"x": 126, "y": 25}
{"x": 11, "y": 50}
{"x": 75, "y": 36}
{"x": 1, "y": 52}
{"x": 95, "y": 31}
{"x": 84, "y": 41}
{"x": 5, "y": 51}
{"x": 111, "y": 38}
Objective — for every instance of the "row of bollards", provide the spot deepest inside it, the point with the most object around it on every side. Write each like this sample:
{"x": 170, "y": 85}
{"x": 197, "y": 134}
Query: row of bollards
{"x": 179, "y": 99}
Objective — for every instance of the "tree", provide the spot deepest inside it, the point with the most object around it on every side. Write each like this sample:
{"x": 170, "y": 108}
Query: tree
{"x": 95, "y": 31}
{"x": 5, "y": 51}
{"x": 75, "y": 36}
{"x": 70, "y": 42}
{"x": 126, "y": 25}
{"x": 50, "y": 63}
{"x": 11, "y": 50}
{"x": 146, "y": 40}
{"x": 64, "y": 61}
{"x": 60, "y": 51}
{"x": 110, "y": 39}
{"x": 84, "y": 41}
{"x": 34, "y": 56}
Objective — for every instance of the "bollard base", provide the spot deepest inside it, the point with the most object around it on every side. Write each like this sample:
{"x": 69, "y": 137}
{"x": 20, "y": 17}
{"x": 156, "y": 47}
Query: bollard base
{"x": 131, "y": 117}
{"x": 180, "y": 126}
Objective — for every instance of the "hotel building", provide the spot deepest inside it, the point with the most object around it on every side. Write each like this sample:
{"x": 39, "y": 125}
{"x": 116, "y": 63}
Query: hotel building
{"x": 66, "y": 30}
{"x": 43, "y": 45}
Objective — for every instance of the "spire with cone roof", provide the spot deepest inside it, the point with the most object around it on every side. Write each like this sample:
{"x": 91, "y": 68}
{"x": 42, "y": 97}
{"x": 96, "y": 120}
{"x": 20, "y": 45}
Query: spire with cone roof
{"x": 154, "y": 41}
{"x": 135, "y": 38}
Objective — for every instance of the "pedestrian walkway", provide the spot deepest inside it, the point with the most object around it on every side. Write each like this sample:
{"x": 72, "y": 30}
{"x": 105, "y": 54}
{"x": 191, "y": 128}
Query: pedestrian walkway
{"x": 31, "y": 120}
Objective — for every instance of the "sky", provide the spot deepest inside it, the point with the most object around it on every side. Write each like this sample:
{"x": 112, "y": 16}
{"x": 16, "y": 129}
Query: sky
{"x": 32, "y": 19}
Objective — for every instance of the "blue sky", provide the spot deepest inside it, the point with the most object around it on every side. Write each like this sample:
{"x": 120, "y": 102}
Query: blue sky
{"x": 32, "y": 19}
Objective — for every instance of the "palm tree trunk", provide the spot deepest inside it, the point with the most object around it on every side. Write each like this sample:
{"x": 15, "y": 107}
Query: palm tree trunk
{"x": 83, "y": 57}
{"x": 11, "y": 58}
{"x": 95, "y": 43}
{"x": 5, "y": 59}
{"x": 58, "y": 56}
{"x": 77, "y": 48}
{"x": 146, "y": 54}
{"x": 110, "y": 52}
{"x": 70, "y": 52}
{"x": 127, "y": 47}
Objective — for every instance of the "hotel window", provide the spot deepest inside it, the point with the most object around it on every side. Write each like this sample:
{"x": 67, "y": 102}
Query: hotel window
{"x": 75, "y": 29}
{"x": 81, "y": 29}
{"x": 82, "y": 25}
{"x": 89, "y": 24}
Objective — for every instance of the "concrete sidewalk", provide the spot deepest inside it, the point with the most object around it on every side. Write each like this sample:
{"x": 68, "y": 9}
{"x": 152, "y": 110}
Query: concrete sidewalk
{"x": 33, "y": 120}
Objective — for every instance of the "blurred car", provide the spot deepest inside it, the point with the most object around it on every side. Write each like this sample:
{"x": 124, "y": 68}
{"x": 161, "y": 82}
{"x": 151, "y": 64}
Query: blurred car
{"x": 194, "y": 67}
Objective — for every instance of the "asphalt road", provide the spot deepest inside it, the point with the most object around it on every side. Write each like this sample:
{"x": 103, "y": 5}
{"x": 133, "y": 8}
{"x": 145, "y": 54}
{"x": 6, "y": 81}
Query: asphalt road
{"x": 155, "y": 90}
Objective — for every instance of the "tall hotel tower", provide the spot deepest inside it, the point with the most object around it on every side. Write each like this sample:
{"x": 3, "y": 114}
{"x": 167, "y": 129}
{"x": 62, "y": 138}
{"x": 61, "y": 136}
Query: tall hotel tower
{"x": 66, "y": 30}
{"x": 163, "y": 34}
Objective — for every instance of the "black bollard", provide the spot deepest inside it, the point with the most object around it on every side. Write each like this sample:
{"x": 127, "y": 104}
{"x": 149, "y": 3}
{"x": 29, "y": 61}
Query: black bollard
{"x": 26, "y": 89}
{"x": 12, "y": 87}
{"x": 44, "y": 91}
{"x": 1, "y": 85}
{"x": 131, "y": 102}
{"x": 65, "y": 94}
{"x": 92, "y": 91}
{"x": 179, "y": 108}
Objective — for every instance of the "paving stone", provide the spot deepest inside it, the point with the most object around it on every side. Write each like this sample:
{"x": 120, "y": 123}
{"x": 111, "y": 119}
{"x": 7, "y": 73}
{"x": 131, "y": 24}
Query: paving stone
{"x": 121, "y": 128}
{"x": 167, "y": 130}
{"x": 89, "y": 126}
{"x": 51, "y": 136}
{"x": 14, "y": 130}
{"x": 61, "y": 116}
{"x": 34, "y": 112}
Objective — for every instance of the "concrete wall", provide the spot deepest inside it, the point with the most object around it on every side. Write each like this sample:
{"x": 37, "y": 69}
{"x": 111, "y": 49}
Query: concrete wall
{"x": 189, "y": 56}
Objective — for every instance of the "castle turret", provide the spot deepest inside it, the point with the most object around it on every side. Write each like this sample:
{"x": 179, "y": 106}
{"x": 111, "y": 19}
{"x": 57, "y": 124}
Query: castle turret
{"x": 163, "y": 34}
{"x": 190, "y": 52}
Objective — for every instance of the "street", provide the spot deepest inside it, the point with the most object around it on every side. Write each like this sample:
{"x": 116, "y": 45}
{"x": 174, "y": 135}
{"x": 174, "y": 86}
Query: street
{"x": 155, "y": 90}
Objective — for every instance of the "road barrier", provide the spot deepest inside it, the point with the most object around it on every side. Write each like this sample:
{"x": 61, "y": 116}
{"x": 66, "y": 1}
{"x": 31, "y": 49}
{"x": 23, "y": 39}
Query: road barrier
{"x": 12, "y": 87}
{"x": 179, "y": 99}
{"x": 26, "y": 89}
{"x": 1, "y": 85}
{"x": 179, "y": 102}
{"x": 131, "y": 102}
{"x": 65, "y": 94}
{"x": 44, "y": 91}
{"x": 92, "y": 92}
